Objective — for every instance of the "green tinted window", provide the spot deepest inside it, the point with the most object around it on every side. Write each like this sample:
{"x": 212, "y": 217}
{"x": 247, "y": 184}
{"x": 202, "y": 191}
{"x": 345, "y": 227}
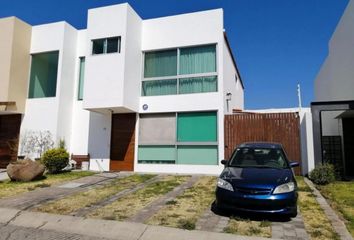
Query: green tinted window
{"x": 159, "y": 87}
{"x": 197, "y": 85}
{"x": 156, "y": 154}
{"x": 81, "y": 78}
{"x": 197, "y": 127}
{"x": 43, "y": 77}
{"x": 198, "y": 155}
{"x": 197, "y": 60}
{"x": 160, "y": 64}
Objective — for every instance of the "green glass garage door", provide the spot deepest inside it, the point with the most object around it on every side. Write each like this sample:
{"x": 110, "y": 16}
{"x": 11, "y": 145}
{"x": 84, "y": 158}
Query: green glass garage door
{"x": 197, "y": 127}
{"x": 197, "y": 155}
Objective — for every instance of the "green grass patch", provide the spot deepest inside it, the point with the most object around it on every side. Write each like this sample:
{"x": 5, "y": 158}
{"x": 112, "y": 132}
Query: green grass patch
{"x": 341, "y": 198}
{"x": 247, "y": 227}
{"x": 316, "y": 222}
{"x": 129, "y": 205}
{"x": 80, "y": 200}
{"x": 185, "y": 210}
{"x": 9, "y": 188}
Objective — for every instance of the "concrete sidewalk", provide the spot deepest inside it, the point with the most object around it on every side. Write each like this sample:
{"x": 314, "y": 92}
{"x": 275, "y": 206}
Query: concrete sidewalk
{"x": 22, "y": 221}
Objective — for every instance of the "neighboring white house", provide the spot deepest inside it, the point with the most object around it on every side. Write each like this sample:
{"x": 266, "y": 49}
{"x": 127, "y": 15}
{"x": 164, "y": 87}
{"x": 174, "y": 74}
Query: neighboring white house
{"x": 333, "y": 108}
{"x": 143, "y": 95}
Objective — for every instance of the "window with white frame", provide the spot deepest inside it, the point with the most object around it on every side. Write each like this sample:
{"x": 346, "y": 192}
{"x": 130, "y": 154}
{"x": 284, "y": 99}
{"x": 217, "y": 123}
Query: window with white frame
{"x": 106, "y": 45}
{"x": 180, "y": 71}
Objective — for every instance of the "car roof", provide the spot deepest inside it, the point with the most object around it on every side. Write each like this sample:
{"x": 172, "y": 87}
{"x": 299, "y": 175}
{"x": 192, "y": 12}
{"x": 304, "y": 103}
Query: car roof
{"x": 260, "y": 145}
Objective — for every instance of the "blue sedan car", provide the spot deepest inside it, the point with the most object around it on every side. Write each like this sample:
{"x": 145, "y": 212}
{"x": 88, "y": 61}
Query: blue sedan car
{"x": 258, "y": 178}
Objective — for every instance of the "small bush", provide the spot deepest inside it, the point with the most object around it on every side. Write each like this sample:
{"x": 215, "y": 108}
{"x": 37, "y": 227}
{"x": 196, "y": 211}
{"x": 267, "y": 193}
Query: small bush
{"x": 323, "y": 174}
{"x": 187, "y": 224}
{"x": 55, "y": 160}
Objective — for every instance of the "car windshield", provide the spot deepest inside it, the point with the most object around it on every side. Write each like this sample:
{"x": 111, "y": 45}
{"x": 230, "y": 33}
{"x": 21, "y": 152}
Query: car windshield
{"x": 248, "y": 157}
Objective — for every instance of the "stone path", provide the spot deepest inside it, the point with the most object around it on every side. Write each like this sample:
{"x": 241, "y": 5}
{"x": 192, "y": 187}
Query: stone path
{"x": 155, "y": 206}
{"x": 209, "y": 221}
{"x": 32, "y": 199}
{"x": 86, "y": 210}
{"x": 292, "y": 230}
{"x": 337, "y": 223}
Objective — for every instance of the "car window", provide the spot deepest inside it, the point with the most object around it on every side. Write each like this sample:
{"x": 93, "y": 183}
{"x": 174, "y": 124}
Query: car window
{"x": 259, "y": 157}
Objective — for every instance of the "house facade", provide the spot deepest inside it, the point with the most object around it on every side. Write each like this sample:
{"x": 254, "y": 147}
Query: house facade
{"x": 137, "y": 95}
{"x": 333, "y": 108}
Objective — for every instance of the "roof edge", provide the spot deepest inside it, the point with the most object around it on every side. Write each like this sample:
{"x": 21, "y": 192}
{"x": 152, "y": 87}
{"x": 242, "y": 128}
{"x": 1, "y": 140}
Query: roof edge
{"x": 233, "y": 59}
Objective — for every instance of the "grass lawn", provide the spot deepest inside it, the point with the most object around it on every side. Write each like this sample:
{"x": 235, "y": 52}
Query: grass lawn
{"x": 9, "y": 188}
{"x": 341, "y": 198}
{"x": 316, "y": 222}
{"x": 184, "y": 211}
{"x": 129, "y": 205}
{"x": 249, "y": 228}
{"x": 80, "y": 200}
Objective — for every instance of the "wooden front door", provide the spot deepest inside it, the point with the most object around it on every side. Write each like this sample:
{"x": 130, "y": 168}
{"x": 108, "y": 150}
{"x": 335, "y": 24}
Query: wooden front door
{"x": 9, "y": 133}
{"x": 122, "y": 142}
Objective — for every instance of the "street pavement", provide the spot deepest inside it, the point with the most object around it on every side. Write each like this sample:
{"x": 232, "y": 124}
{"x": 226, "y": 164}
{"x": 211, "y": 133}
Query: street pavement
{"x": 16, "y": 224}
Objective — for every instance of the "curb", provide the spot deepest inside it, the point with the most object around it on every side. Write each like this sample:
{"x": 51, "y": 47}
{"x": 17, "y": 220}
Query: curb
{"x": 105, "y": 228}
{"x": 336, "y": 222}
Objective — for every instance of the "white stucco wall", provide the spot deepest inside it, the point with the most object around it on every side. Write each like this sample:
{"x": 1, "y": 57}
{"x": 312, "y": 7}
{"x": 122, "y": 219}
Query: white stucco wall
{"x": 80, "y": 116}
{"x": 335, "y": 80}
{"x": 331, "y": 126}
{"x": 133, "y": 61}
{"x": 232, "y": 83}
{"x": 66, "y": 84}
{"x": 42, "y": 114}
{"x": 104, "y": 74}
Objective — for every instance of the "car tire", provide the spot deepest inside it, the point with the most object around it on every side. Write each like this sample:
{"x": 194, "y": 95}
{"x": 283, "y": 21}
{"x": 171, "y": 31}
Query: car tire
{"x": 294, "y": 213}
{"x": 215, "y": 209}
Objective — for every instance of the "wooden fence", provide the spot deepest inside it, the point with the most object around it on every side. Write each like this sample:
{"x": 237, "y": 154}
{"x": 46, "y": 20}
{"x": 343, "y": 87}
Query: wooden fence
{"x": 281, "y": 128}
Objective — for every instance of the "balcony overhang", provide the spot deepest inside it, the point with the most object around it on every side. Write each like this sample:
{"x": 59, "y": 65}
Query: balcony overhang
{"x": 8, "y": 107}
{"x": 111, "y": 110}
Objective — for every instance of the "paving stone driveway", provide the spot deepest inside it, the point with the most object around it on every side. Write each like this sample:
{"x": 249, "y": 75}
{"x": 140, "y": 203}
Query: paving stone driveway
{"x": 209, "y": 221}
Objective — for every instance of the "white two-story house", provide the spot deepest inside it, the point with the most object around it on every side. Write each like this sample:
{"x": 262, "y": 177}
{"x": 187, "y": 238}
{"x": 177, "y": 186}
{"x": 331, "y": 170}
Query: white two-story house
{"x": 137, "y": 95}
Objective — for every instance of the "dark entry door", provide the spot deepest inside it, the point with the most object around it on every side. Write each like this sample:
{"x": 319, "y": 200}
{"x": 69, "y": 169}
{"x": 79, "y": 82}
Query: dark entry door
{"x": 348, "y": 132}
{"x": 9, "y": 132}
{"x": 122, "y": 142}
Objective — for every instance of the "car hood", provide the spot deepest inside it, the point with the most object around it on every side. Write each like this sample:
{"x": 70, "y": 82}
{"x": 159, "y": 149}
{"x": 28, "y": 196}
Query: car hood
{"x": 256, "y": 177}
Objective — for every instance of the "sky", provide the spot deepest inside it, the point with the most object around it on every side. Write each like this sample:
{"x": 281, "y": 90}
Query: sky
{"x": 277, "y": 43}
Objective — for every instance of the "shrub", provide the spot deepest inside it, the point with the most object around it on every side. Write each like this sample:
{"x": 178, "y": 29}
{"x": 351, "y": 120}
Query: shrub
{"x": 323, "y": 174}
{"x": 187, "y": 224}
{"x": 55, "y": 160}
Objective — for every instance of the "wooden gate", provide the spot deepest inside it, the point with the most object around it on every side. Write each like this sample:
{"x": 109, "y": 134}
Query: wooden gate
{"x": 281, "y": 128}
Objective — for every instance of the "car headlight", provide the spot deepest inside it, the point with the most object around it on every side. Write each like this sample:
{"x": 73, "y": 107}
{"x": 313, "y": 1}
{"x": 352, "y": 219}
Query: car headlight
{"x": 225, "y": 184}
{"x": 284, "y": 188}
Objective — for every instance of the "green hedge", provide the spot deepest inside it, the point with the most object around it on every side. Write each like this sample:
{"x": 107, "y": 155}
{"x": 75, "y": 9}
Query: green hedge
{"x": 55, "y": 160}
{"x": 323, "y": 174}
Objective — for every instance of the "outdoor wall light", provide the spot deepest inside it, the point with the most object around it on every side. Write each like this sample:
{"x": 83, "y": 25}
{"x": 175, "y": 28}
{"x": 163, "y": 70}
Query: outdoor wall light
{"x": 228, "y": 96}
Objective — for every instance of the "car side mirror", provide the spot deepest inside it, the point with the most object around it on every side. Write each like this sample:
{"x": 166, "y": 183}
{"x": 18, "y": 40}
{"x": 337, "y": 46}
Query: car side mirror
{"x": 294, "y": 164}
{"x": 224, "y": 162}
